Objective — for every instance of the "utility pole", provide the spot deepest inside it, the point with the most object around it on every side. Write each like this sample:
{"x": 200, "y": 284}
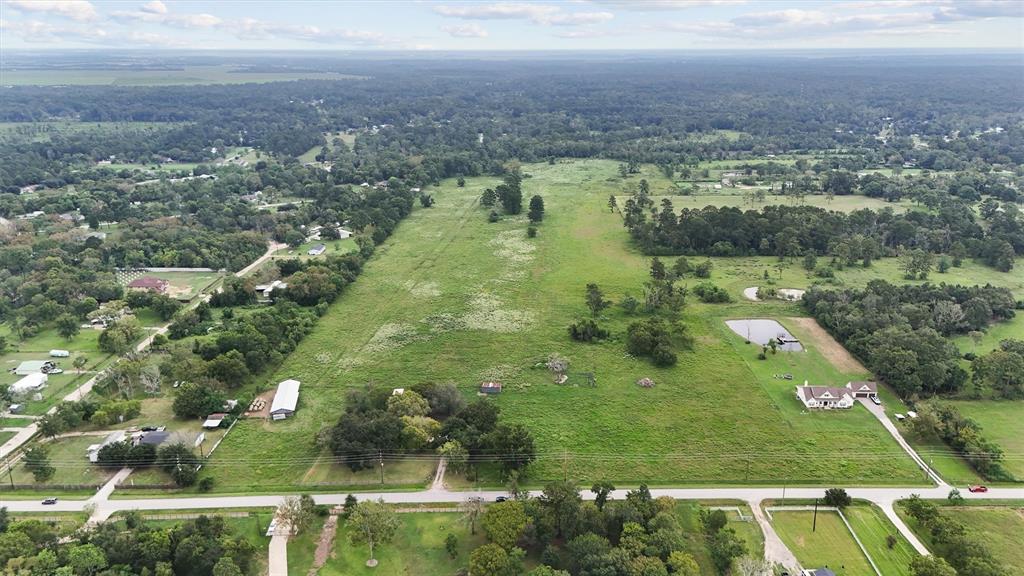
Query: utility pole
{"x": 784, "y": 483}
{"x": 814, "y": 525}
{"x": 10, "y": 473}
{"x": 380, "y": 455}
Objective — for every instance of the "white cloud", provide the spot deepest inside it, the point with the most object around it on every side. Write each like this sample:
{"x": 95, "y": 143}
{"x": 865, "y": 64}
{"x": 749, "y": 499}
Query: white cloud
{"x": 167, "y": 18}
{"x": 981, "y": 9}
{"x": 154, "y": 7}
{"x": 796, "y": 23}
{"x": 544, "y": 14}
{"x": 36, "y": 32}
{"x": 466, "y": 31}
{"x": 665, "y": 5}
{"x": 80, "y": 10}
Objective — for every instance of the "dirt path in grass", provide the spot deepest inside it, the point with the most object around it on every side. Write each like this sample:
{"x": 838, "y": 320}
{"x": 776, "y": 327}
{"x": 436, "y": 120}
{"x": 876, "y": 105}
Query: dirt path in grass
{"x": 324, "y": 545}
{"x": 827, "y": 345}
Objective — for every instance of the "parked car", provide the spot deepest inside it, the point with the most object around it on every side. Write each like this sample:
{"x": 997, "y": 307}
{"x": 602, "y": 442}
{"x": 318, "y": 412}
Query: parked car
{"x": 977, "y": 488}
{"x": 501, "y": 499}
{"x": 49, "y": 501}
{"x": 149, "y": 428}
{"x": 877, "y": 401}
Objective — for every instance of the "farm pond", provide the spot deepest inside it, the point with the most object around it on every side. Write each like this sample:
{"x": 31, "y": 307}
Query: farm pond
{"x": 762, "y": 330}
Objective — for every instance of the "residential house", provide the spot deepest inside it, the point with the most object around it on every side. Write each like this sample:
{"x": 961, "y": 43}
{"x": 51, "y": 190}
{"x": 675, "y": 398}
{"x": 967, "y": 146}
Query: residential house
{"x": 317, "y": 250}
{"x": 863, "y": 389}
{"x": 265, "y": 291}
{"x": 93, "y": 451}
{"x": 826, "y": 397}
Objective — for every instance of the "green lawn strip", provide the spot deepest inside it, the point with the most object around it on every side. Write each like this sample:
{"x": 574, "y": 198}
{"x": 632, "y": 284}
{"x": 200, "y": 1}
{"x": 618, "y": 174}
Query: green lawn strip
{"x": 829, "y": 545}
{"x": 872, "y": 527}
{"x": 5, "y": 436}
{"x": 991, "y": 337}
{"x": 452, "y": 298}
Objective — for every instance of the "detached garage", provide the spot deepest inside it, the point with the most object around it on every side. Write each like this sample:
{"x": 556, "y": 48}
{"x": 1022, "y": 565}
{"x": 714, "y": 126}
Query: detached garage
{"x": 285, "y": 400}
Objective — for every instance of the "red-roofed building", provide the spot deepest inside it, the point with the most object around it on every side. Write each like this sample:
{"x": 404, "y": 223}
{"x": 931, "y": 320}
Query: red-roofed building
{"x": 158, "y": 285}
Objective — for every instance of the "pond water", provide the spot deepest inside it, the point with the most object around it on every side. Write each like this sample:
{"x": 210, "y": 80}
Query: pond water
{"x": 761, "y": 330}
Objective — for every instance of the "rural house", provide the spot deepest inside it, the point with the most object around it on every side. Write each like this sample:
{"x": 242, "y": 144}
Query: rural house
{"x": 93, "y": 451}
{"x": 863, "y": 389}
{"x": 317, "y": 250}
{"x": 827, "y": 397}
{"x": 150, "y": 283}
{"x": 285, "y": 400}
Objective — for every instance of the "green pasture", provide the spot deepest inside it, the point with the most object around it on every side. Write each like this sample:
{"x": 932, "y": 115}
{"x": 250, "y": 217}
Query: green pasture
{"x": 453, "y": 298}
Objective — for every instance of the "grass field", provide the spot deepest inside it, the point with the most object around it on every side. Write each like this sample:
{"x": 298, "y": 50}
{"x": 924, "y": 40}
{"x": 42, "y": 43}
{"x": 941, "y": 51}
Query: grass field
{"x": 872, "y": 527}
{"x": 1003, "y": 423}
{"x": 998, "y": 527}
{"x": 188, "y": 75}
{"x": 417, "y": 550}
{"x": 452, "y": 298}
{"x": 68, "y": 456}
{"x": 334, "y": 248}
{"x": 830, "y": 545}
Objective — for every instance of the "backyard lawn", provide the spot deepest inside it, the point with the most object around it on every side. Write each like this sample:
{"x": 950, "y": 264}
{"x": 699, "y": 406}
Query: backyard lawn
{"x": 417, "y": 550}
{"x": 829, "y": 545}
{"x": 872, "y": 527}
{"x": 68, "y": 456}
{"x": 453, "y": 298}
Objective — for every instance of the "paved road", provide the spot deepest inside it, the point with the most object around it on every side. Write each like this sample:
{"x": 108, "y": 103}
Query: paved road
{"x": 880, "y": 496}
{"x": 879, "y": 412}
{"x": 273, "y": 247}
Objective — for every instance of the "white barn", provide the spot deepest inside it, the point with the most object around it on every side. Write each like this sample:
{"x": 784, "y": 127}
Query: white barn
{"x": 285, "y": 400}
{"x": 29, "y": 384}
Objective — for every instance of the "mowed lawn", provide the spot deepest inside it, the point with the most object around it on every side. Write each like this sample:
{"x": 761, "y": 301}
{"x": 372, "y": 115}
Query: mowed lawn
{"x": 453, "y": 298}
{"x": 872, "y": 527}
{"x": 830, "y": 544}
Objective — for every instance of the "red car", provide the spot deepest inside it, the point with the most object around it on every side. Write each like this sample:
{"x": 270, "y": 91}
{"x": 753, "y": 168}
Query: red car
{"x": 977, "y": 488}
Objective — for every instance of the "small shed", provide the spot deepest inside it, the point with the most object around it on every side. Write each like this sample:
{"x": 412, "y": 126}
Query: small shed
{"x": 285, "y": 400}
{"x": 490, "y": 388}
{"x": 317, "y": 250}
{"x": 214, "y": 420}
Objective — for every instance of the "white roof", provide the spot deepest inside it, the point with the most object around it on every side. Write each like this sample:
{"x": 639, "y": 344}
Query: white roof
{"x": 29, "y": 383}
{"x": 60, "y": 353}
{"x": 30, "y": 367}
{"x": 287, "y": 397}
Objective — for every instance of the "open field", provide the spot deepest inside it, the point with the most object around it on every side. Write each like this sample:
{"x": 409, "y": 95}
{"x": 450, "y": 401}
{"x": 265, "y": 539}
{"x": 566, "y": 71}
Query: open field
{"x": 334, "y": 248}
{"x": 225, "y": 74}
{"x": 995, "y": 333}
{"x": 1003, "y": 423}
{"x": 452, "y": 298}
{"x": 997, "y": 526}
{"x": 734, "y": 198}
{"x": 185, "y": 285}
{"x": 830, "y": 545}
{"x": 417, "y": 550}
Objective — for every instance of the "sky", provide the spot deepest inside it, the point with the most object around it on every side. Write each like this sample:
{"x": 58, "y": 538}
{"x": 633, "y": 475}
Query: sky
{"x": 515, "y": 25}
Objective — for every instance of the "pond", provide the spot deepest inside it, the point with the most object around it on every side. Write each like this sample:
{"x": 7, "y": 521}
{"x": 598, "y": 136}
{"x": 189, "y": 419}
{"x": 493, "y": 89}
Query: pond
{"x": 762, "y": 330}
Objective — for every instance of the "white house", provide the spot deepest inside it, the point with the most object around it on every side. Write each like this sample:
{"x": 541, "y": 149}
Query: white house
{"x": 29, "y": 384}
{"x": 863, "y": 389}
{"x": 93, "y": 451}
{"x": 285, "y": 400}
{"x": 827, "y": 397}
{"x": 344, "y": 234}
